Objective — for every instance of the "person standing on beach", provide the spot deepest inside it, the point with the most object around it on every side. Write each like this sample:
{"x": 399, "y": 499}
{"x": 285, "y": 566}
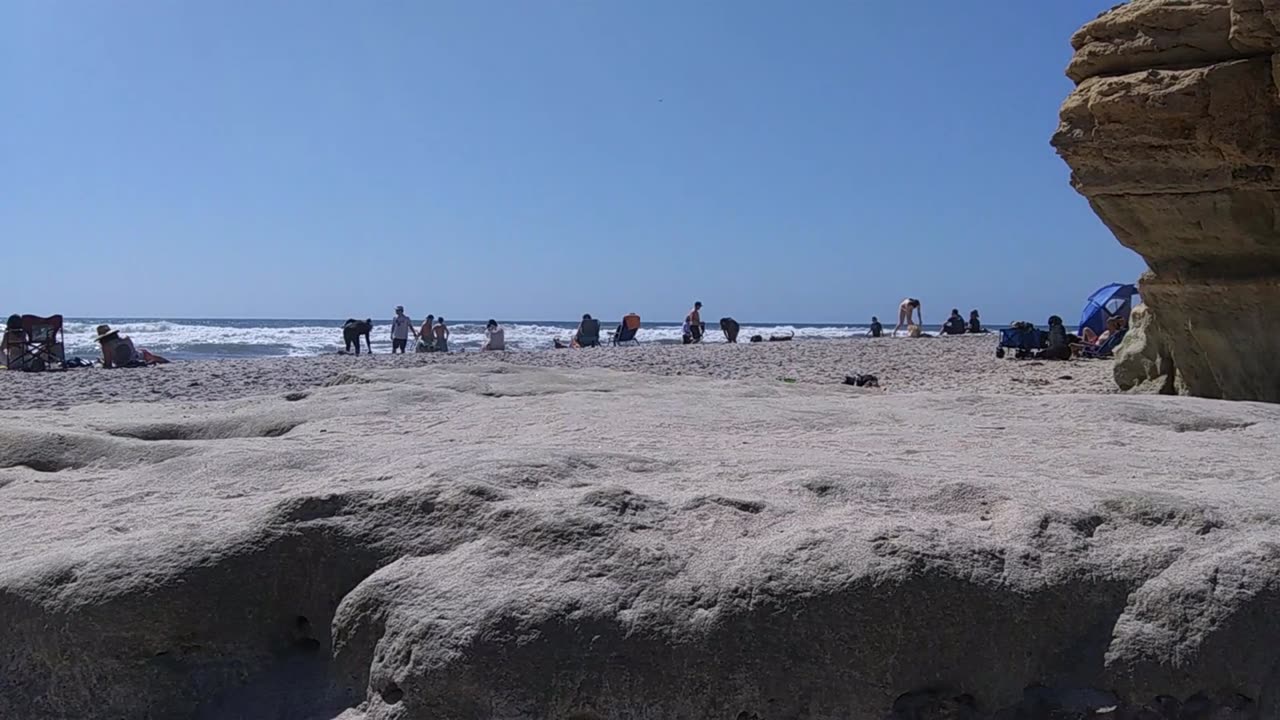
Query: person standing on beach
{"x": 905, "y": 309}
{"x": 441, "y": 333}
{"x": 401, "y": 326}
{"x": 693, "y": 327}
{"x": 425, "y": 341}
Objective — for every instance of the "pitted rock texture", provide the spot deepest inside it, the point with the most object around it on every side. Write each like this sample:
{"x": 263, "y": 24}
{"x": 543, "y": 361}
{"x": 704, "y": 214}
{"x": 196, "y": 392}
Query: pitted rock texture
{"x": 475, "y": 542}
{"x": 1173, "y": 134}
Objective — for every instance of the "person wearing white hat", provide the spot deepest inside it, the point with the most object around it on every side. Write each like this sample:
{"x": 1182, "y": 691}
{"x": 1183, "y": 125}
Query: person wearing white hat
{"x": 401, "y": 326}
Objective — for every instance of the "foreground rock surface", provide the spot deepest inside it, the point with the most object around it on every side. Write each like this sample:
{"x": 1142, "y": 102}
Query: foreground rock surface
{"x": 1173, "y": 134}
{"x": 507, "y": 542}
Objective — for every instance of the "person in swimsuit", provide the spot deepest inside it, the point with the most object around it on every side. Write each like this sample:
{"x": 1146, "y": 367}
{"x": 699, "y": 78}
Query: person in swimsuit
{"x": 693, "y": 327}
{"x": 876, "y": 329}
{"x": 425, "y": 341}
{"x": 441, "y": 332}
{"x": 905, "y": 308}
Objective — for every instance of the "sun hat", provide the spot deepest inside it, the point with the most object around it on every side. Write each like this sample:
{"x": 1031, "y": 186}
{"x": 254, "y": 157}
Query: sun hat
{"x": 104, "y": 332}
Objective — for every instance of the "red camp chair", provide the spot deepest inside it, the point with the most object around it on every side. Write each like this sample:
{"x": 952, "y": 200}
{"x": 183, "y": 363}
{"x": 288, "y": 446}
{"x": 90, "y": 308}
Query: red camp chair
{"x": 627, "y": 330}
{"x": 39, "y": 345}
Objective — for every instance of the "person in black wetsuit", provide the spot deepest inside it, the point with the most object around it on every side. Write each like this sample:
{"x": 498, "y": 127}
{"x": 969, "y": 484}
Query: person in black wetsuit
{"x": 352, "y": 329}
{"x": 876, "y": 328}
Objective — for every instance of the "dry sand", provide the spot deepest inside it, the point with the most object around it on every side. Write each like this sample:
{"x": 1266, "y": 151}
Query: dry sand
{"x": 964, "y": 364}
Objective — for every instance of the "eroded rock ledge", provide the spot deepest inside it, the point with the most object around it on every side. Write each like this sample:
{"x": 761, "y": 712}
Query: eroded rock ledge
{"x": 514, "y": 543}
{"x": 1173, "y": 134}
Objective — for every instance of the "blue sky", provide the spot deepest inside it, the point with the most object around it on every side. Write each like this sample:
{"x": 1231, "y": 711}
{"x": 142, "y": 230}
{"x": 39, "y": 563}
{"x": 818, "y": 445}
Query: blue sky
{"x": 812, "y": 161}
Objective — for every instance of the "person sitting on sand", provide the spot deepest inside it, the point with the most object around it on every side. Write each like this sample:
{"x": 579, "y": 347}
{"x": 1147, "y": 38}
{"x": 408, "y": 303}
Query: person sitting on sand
{"x": 14, "y": 343}
{"x": 588, "y": 332}
{"x": 119, "y": 352}
{"x": 905, "y": 309}
{"x": 352, "y": 329}
{"x": 441, "y": 333}
{"x": 954, "y": 325}
{"x": 730, "y": 328}
{"x": 494, "y": 337}
{"x": 1057, "y": 347}
{"x": 876, "y": 329}
{"x": 975, "y": 323}
{"x": 426, "y": 342}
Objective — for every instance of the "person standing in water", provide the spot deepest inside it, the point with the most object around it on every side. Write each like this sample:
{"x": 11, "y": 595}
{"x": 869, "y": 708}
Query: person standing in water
{"x": 401, "y": 326}
{"x": 905, "y": 309}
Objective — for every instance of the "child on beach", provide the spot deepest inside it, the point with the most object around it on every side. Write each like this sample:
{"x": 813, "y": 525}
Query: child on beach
{"x": 876, "y": 329}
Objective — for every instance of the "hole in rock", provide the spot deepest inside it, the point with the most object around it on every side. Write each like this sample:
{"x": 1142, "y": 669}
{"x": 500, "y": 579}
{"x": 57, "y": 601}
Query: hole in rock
{"x": 392, "y": 694}
{"x": 296, "y": 396}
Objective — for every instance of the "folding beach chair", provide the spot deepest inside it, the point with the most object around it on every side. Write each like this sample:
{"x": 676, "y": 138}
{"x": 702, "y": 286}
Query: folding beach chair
{"x": 39, "y": 346}
{"x": 627, "y": 330}
{"x": 588, "y": 334}
{"x": 1106, "y": 349}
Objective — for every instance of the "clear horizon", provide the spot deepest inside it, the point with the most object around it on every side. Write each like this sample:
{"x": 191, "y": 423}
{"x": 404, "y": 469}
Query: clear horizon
{"x": 285, "y": 159}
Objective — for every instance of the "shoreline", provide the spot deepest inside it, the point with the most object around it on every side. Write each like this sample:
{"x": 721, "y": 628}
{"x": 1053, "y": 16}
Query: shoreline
{"x": 962, "y": 363}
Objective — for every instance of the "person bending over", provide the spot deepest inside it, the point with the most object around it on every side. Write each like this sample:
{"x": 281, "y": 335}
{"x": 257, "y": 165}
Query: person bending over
{"x": 352, "y": 329}
{"x": 494, "y": 337}
{"x": 730, "y": 328}
{"x": 905, "y": 309}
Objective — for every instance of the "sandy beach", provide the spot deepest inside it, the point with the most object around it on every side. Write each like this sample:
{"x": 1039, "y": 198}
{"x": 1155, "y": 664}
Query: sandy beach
{"x": 949, "y": 364}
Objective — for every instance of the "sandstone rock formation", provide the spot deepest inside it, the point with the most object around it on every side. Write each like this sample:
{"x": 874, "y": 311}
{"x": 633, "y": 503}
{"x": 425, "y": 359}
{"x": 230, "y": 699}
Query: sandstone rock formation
{"x": 498, "y": 542}
{"x": 1173, "y": 134}
{"x": 1143, "y": 356}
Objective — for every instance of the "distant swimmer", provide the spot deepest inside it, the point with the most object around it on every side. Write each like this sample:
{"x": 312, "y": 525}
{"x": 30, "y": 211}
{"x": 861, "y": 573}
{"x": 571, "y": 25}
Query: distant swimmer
{"x": 352, "y": 329}
{"x": 905, "y": 309}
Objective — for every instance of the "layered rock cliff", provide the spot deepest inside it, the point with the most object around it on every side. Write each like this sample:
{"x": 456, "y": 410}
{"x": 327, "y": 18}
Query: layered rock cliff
{"x": 1173, "y": 134}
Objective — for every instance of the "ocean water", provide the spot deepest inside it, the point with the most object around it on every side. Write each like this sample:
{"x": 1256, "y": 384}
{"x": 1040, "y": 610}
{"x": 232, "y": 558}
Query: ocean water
{"x": 203, "y": 339}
